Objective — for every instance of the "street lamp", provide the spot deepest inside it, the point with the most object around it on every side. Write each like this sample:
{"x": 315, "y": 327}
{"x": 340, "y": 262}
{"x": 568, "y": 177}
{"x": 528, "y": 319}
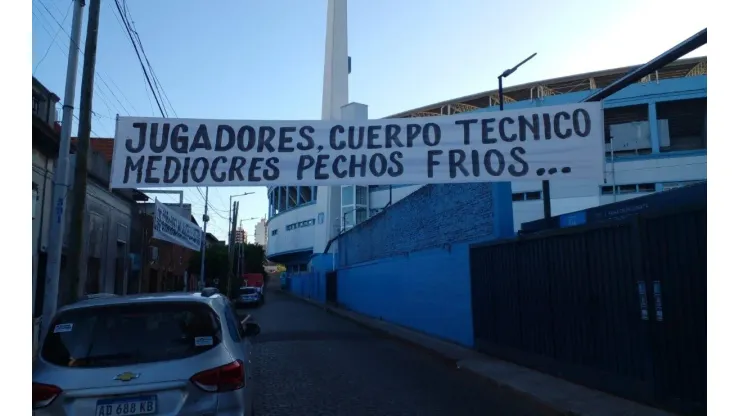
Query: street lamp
{"x": 545, "y": 183}
{"x": 506, "y": 74}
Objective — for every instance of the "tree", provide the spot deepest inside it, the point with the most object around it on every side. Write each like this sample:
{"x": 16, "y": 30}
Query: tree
{"x": 217, "y": 266}
{"x": 253, "y": 260}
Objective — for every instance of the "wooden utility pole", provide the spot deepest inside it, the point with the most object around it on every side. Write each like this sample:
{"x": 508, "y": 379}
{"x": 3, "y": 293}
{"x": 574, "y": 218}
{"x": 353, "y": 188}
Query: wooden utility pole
{"x": 79, "y": 190}
{"x": 232, "y": 253}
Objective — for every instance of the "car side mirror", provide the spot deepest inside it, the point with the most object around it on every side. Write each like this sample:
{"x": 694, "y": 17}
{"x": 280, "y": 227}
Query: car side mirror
{"x": 250, "y": 329}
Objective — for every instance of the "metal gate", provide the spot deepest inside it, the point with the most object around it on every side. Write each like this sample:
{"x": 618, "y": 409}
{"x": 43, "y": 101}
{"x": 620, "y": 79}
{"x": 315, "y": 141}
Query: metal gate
{"x": 675, "y": 247}
{"x": 609, "y": 307}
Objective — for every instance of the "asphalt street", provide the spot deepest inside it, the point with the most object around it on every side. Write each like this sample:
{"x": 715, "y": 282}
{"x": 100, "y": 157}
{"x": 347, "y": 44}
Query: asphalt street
{"x": 310, "y": 362}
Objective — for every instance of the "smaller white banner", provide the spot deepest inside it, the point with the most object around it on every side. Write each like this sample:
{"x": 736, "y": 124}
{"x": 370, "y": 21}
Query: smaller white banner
{"x": 173, "y": 227}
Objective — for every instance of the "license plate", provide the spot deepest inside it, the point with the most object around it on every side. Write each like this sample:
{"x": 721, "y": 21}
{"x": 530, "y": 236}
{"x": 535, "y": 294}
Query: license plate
{"x": 142, "y": 405}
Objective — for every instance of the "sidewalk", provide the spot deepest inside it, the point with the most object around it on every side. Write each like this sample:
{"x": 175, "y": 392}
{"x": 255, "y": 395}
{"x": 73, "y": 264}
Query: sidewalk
{"x": 553, "y": 393}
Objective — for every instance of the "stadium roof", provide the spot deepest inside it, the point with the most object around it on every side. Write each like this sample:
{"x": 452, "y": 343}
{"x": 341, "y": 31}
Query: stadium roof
{"x": 573, "y": 83}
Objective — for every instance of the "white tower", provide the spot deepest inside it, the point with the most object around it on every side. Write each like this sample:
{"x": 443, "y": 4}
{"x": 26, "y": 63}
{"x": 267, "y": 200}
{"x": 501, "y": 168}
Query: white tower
{"x": 335, "y": 96}
{"x": 336, "y": 61}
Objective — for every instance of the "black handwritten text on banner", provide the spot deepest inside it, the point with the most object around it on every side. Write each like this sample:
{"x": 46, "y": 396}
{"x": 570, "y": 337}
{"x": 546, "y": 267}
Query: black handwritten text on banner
{"x": 170, "y": 226}
{"x": 558, "y": 142}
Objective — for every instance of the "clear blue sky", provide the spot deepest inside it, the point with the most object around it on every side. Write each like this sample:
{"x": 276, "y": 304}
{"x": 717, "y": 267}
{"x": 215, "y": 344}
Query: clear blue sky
{"x": 263, "y": 59}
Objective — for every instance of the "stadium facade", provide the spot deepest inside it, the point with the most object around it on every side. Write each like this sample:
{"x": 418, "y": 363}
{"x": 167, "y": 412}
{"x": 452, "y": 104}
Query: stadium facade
{"x": 655, "y": 140}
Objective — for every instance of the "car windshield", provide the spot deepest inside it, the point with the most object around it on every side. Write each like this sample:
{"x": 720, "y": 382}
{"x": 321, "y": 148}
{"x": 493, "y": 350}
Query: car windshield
{"x": 134, "y": 333}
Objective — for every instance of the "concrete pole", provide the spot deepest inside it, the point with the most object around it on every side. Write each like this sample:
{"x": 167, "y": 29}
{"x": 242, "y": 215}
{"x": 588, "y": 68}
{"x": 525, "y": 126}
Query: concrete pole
{"x": 61, "y": 179}
{"x": 77, "y": 260}
{"x": 203, "y": 245}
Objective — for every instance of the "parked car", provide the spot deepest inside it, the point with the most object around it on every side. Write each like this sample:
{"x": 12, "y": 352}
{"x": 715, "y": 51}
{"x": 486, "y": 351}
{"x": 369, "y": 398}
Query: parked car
{"x": 249, "y": 296}
{"x": 169, "y": 353}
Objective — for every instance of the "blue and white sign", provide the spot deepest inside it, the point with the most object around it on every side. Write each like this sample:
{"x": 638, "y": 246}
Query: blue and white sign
{"x": 170, "y": 226}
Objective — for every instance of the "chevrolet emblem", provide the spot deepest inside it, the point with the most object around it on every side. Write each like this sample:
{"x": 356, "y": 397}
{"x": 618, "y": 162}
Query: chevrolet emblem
{"x": 127, "y": 376}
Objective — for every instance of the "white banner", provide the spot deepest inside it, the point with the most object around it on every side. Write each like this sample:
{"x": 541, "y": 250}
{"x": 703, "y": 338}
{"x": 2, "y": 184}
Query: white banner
{"x": 170, "y": 226}
{"x": 557, "y": 142}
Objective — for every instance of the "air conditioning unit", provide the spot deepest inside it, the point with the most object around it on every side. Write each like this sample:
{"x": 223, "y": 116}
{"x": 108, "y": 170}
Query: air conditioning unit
{"x": 153, "y": 253}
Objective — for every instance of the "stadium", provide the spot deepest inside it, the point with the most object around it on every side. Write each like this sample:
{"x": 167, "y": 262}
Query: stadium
{"x": 656, "y": 140}
{"x": 571, "y": 294}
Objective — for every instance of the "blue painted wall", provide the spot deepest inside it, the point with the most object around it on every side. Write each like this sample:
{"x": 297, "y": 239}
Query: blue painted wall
{"x": 427, "y": 290}
{"x": 410, "y": 266}
{"x": 309, "y": 285}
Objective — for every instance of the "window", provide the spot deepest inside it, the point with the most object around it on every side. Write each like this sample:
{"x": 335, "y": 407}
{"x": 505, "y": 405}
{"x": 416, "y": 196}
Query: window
{"x": 292, "y": 197}
{"x": 686, "y": 122}
{"x": 361, "y": 195}
{"x": 282, "y": 199}
{"x": 628, "y": 189}
{"x": 348, "y": 197}
{"x": 526, "y": 196}
{"x": 348, "y": 217}
{"x": 118, "y": 335}
{"x": 531, "y": 196}
{"x": 232, "y": 323}
{"x": 274, "y": 232}
{"x": 305, "y": 194}
{"x": 361, "y": 215}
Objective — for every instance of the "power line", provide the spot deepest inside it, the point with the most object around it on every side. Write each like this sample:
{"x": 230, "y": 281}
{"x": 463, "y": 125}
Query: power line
{"x": 157, "y": 90}
{"x": 100, "y": 93}
{"x": 53, "y": 40}
{"x": 136, "y": 49}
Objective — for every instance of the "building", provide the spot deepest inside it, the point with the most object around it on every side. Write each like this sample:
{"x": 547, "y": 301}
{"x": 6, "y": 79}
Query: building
{"x": 240, "y": 235}
{"x": 109, "y": 217}
{"x": 46, "y": 130}
{"x": 260, "y": 232}
{"x": 164, "y": 265}
{"x": 212, "y": 240}
{"x": 657, "y": 129}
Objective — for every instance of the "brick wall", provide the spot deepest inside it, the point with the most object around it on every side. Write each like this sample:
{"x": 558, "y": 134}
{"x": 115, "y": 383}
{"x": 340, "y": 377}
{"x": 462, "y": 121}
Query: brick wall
{"x": 172, "y": 263}
{"x": 430, "y": 217}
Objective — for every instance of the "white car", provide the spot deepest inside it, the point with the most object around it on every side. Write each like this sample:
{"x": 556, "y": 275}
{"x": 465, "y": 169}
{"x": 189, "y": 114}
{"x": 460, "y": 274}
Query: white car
{"x": 248, "y": 296}
{"x": 148, "y": 354}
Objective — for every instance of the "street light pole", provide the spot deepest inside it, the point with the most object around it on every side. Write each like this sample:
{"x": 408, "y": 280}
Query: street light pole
{"x": 61, "y": 176}
{"x": 545, "y": 183}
